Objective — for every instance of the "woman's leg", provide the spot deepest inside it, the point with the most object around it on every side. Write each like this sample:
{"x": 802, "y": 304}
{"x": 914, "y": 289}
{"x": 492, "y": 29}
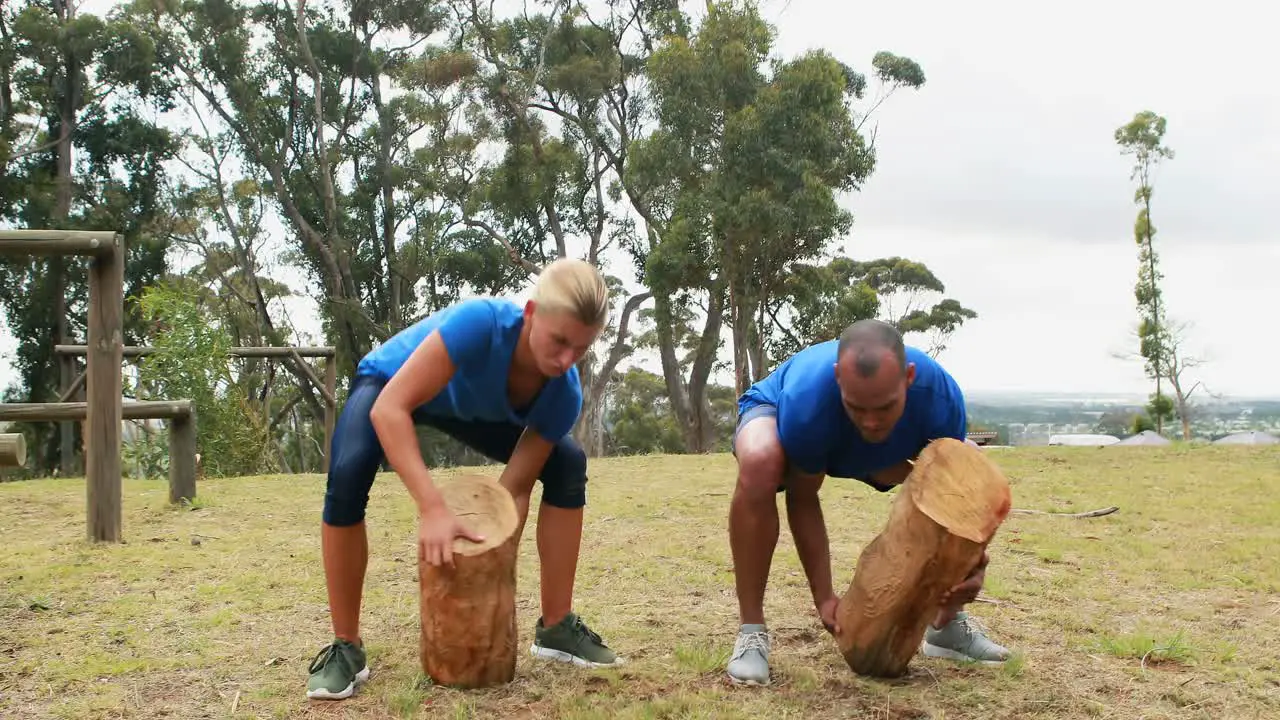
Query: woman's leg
{"x": 354, "y": 459}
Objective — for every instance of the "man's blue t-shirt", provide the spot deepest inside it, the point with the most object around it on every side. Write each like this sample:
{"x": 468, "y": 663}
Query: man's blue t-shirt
{"x": 480, "y": 335}
{"x": 818, "y": 435}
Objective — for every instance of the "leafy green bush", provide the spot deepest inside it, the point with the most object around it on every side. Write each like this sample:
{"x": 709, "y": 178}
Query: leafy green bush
{"x": 191, "y": 363}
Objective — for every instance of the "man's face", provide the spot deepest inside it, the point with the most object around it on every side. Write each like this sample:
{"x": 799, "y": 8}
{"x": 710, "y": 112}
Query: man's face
{"x": 875, "y": 403}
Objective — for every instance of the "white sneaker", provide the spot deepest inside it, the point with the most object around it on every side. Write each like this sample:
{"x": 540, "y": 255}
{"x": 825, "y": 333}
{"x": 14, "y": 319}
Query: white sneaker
{"x": 750, "y": 662}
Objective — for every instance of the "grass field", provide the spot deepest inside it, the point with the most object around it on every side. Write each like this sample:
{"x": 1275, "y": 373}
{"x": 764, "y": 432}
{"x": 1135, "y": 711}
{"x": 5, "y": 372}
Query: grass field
{"x": 1168, "y": 608}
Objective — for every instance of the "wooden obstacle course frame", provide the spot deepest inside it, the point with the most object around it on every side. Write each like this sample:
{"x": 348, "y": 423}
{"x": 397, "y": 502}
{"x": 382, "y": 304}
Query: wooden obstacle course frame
{"x": 181, "y": 415}
{"x": 104, "y": 353}
{"x": 327, "y": 387}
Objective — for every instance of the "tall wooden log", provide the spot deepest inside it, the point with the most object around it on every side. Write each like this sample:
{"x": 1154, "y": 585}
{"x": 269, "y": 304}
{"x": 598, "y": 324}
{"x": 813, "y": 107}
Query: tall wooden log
{"x": 103, "y": 386}
{"x": 13, "y": 450}
{"x": 182, "y": 458}
{"x": 468, "y": 612}
{"x": 939, "y": 525}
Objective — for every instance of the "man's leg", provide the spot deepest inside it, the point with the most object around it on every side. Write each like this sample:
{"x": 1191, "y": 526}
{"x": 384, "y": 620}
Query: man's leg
{"x": 354, "y": 457}
{"x": 559, "y": 633}
{"x": 955, "y": 635}
{"x": 753, "y": 535}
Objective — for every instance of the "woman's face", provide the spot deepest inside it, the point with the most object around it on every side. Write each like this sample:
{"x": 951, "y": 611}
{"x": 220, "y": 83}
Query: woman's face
{"x": 557, "y": 340}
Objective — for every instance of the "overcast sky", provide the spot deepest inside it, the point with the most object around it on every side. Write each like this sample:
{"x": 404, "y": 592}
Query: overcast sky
{"x": 1002, "y": 175}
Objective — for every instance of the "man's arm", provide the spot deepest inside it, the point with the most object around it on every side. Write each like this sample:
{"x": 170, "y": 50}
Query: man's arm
{"x": 809, "y": 529}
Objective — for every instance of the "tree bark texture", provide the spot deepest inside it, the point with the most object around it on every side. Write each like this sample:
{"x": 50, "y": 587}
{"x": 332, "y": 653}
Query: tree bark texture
{"x": 941, "y": 521}
{"x": 468, "y": 612}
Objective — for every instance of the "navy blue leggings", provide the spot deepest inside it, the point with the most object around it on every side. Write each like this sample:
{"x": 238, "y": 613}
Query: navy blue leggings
{"x": 356, "y": 455}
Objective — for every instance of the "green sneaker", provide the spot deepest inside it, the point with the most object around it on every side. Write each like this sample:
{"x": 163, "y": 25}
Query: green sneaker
{"x": 336, "y": 671}
{"x": 571, "y": 640}
{"x": 963, "y": 640}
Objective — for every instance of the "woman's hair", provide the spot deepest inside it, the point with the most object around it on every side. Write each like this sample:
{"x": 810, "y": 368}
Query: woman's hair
{"x": 575, "y": 287}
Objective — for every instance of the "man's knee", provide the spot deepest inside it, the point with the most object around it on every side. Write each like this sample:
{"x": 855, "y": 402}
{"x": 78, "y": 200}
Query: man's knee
{"x": 564, "y": 476}
{"x": 762, "y": 463}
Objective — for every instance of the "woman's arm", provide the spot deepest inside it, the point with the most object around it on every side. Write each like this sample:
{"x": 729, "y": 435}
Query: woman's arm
{"x": 527, "y": 459}
{"x": 421, "y": 378}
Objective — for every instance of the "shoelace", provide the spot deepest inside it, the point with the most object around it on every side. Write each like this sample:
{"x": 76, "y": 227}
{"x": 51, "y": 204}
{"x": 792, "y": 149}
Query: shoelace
{"x": 322, "y": 658}
{"x": 757, "y": 641}
{"x": 972, "y": 626}
{"x": 582, "y": 627}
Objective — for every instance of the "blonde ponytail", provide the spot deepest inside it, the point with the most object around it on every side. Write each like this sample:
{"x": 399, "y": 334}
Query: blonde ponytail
{"x": 575, "y": 287}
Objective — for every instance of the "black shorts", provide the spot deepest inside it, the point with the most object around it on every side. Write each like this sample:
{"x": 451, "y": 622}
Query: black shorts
{"x": 356, "y": 455}
{"x": 756, "y": 411}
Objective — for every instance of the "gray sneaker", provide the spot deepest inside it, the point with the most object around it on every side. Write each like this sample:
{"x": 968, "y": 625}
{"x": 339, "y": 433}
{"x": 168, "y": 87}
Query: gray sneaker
{"x": 963, "y": 640}
{"x": 749, "y": 664}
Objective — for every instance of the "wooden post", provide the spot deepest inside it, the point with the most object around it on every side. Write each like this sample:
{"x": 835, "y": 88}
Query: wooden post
{"x": 330, "y": 409}
{"x": 66, "y": 430}
{"x": 102, "y": 440}
{"x": 941, "y": 521}
{"x": 13, "y": 450}
{"x": 182, "y": 457}
{"x": 468, "y": 612}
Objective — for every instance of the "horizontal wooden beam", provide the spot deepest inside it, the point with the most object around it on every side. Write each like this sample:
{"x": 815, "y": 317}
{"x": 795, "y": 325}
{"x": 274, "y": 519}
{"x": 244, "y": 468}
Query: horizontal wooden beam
{"x": 58, "y": 242}
{"x": 245, "y": 352}
{"x": 137, "y": 410}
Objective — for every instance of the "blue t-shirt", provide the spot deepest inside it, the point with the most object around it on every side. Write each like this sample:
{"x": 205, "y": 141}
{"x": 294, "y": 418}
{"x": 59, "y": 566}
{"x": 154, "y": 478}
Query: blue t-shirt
{"x": 480, "y": 335}
{"x": 818, "y": 435}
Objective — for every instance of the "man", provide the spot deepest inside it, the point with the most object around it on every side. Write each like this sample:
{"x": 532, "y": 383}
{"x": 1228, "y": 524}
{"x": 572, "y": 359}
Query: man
{"x": 862, "y": 408}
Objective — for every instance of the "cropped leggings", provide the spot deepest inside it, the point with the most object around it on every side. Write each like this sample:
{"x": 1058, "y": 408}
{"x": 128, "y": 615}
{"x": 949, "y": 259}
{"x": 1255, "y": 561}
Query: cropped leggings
{"x": 356, "y": 455}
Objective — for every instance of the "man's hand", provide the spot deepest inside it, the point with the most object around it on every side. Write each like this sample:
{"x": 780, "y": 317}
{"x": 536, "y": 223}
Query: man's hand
{"x": 436, "y": 530}
{"x": 827, "y": 612}
{"x": 967, "y": 591}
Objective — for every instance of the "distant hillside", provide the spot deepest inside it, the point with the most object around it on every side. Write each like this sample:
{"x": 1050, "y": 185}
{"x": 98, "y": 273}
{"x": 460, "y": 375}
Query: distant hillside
{"x": 1029, "y": 418}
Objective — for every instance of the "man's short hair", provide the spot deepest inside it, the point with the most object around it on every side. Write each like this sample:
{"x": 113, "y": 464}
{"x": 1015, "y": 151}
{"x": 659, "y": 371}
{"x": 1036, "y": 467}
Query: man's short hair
{"x": 869, "y": 339}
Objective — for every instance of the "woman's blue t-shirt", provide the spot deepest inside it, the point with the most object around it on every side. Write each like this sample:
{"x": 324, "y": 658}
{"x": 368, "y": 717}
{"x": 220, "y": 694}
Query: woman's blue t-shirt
{"x": 480, "y": 335}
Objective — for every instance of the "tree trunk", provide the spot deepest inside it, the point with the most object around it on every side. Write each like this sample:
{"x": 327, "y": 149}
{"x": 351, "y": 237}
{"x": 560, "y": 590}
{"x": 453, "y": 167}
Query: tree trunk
{"x": 67, "y": 104}
{"x": 664, "y": 325}
{"x": 387, "y": 219}
{"x": 589, "y": 430}
{"x": 941, "y": 521}
{"x": 468, "y": 612}
{"x": 703, "y": 427}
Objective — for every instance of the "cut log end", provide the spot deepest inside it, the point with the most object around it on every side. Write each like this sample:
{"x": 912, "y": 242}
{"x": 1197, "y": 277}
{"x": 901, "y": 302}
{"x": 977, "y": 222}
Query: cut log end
{"x": 13, "y": 450}
{"x": 482, "y": 506}
{"x": 947, "y": 511}
{"x": 468, "y": 612}
{"x": 959, "y": 487}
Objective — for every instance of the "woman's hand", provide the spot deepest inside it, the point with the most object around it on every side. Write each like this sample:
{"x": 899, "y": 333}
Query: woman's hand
{"x": 437, "y": 528}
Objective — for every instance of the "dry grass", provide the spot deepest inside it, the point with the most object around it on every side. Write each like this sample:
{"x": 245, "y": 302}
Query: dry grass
{"x": 1166, "y": 609}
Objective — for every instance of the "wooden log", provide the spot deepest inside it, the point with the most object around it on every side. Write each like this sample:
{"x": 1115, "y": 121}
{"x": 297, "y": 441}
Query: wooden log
{"x": 103, "y": 393}
{"x": 468, "y": 612}
{"x": 134, "y": 351}
{"x": 133, "y": 410}
{"x": 67, "y": 430}
{"x": 182, "y": 458}
{"x": 946, "y": 512}
{"x": 58, "y": 242}
{"x": 13, "y": 450}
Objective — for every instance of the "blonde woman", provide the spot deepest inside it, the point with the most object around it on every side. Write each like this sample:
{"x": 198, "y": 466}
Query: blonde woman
{"x": 501, "y": 378}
